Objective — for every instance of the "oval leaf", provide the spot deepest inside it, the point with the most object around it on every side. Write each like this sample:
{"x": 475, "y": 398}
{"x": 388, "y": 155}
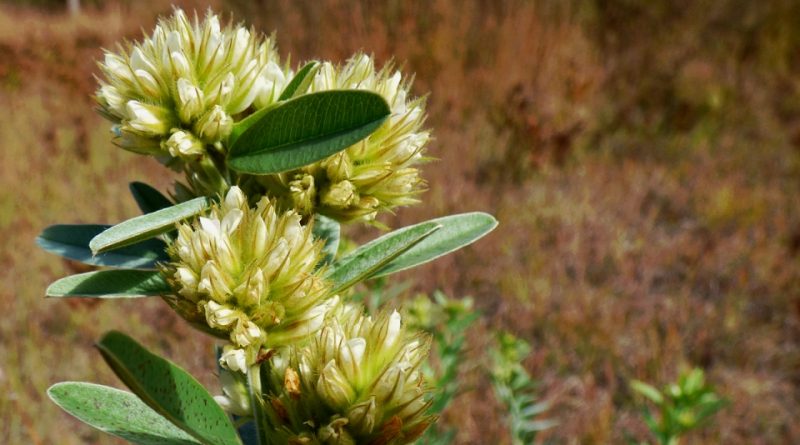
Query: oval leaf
{"x": 111, "y": 284}
{"x": 457, "y": 231}
{"x": 147, "y": 226}
{"x": 148, "y": 198}
{"x": 364, "y": 261}
{"x": 168, "y": 389}
{"x": 117, "y": 412}
{"x": 72, "y": 241}
{"x": 307, "y": 129}
{"x": 327, "y": 230}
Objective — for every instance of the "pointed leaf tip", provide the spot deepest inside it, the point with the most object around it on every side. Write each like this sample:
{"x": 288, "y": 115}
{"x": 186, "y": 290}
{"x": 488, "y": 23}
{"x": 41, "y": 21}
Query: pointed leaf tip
{"x": 147, "y": 226}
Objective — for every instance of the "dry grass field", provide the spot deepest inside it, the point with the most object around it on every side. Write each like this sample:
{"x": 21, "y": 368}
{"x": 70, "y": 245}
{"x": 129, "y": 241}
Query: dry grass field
{"x": 643, "y": 159}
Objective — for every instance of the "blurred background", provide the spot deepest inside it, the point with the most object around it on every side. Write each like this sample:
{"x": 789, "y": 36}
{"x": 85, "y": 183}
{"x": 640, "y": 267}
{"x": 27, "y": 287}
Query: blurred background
{"x": 642, "y": 157}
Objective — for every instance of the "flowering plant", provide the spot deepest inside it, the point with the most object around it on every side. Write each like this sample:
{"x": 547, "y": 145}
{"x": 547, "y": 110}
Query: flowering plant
{"x": 274, "y": 160}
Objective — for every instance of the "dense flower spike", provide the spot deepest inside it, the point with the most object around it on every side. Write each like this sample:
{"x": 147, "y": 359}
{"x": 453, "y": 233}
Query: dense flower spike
{"x": 357, "y": 382}
{"x": 182, "y": 88}
{"x": 249, "y": 274}
{"x": 378, "y": 173}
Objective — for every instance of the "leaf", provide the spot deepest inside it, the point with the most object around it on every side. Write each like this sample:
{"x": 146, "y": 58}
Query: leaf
{"x": 168, "y": 389}
{"x": 240, "y": 127}
{"x": 328, "y": 230}
{"x": 648, "y": 391}
{"x": 300, "y": 82}
{"x": 457, "y": 231}
{"x": 364, "y": 261}
{"x": 298, "y": 85}
{"x": 307, "y": 129}
{"x": 117, "y": 412}
{"x": 148, "y": 198}
{"x": 147, "y": 226}
{"x": 123, "y": 283}
{"x": 72, "y": 241}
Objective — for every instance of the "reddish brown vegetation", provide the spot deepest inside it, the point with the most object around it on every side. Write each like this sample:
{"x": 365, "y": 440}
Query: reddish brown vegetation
{"x": 642, "y": 161}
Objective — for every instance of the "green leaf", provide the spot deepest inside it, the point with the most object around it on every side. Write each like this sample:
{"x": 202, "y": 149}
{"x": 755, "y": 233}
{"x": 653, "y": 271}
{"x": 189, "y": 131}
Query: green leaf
{"x": 148, "y": 198}
{"x": 648, "y": 391}
{"x": 72, "y": 241}
{"x": 147, "y": 226}
{"x": 307, "y": 129}
{"x": 117, "y": 412}
{"x": 123, "y": 283}
{"x": 300, "y": 82}
{"x": 168, "y": 389}
{"x": 328, "y": 230}
{"x": 457, "y": 232}
{"x": 240, "y": 127}
{"x": 364, "y": 261}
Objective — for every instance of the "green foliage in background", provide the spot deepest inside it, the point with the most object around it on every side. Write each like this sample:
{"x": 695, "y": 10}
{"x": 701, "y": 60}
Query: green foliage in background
{"x": 517, "y": 391}
{"x": 679, "y": 407}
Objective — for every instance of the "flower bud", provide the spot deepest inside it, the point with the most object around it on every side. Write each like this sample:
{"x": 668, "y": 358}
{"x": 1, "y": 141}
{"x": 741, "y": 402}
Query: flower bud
{"x": 334, "y": 388}
{"x": 335, "y": 433}
{"x": 340, "y": 195}
{"x": 362, "y": 416}
{"x": 189, "y": 100}
{"x": 220, "y": 316}
{"x": 183, "y": 144}
{"x": 215, "y": 125}
{"x": 246, "y": 333}
{"x": 236, "y": 360}
{"x": 270, "y": 84}
{"x": 236, "y": 398}
{"x": 111, "y": 99}
{"x": 338, "y": 167}
{"x": 303, "y": 193}
{"x": 149, "y": 120}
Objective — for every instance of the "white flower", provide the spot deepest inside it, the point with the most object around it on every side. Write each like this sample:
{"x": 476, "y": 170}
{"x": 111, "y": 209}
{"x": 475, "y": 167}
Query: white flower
{"x": 234, "y": 359}
{"x": 147, "y": 119}
{"x": 184, "y": 144}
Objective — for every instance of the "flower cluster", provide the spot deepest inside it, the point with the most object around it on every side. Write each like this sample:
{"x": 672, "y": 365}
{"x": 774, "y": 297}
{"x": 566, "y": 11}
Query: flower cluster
{"x": 249, "y": 274}
{"x": 181, "y": 89}
{"x": 249, "y": 270}
{"x": 358, "y": 381}
{"x": 375, "y": 174}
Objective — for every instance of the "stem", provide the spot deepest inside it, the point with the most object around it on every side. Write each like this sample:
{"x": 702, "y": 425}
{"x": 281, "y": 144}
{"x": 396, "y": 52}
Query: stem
{"x": 257, "y": 403}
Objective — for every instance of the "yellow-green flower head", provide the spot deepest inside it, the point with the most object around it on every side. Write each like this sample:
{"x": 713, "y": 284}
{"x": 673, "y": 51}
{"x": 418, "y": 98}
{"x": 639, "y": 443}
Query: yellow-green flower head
{"x": 249, "y": 274}
{"x": 184, "y": 86}
{"x": 378, "y": 173}
{"x": 358, "y": 381}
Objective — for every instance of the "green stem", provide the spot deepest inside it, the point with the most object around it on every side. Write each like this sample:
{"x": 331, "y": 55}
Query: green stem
{"x": 257, "y": 402}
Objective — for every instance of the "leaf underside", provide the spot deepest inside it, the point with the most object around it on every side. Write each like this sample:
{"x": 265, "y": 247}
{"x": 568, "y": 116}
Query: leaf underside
{"x": 123, "y": 283}
{"x": 72, "y": 241}
{"x": 168, "y": 389}
{"x": 117, "y": 412}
